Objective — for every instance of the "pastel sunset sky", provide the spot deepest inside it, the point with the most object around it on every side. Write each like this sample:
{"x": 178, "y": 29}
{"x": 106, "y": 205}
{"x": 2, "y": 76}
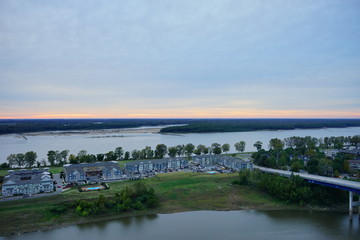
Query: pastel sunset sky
{"x": 180, "y": 59}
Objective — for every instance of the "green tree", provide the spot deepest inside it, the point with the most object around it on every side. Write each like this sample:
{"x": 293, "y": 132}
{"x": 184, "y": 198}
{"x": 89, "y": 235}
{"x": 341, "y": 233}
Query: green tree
{"x": 161, "y": 150}
{"x": 73, "y": 159}
{"x": 119, "y": 152}
{"x": 200, "y": 149}
{"x": 189, "y": 149}
{"x": 216, "y": 148}
{"x": 30, "y": 158}
{"x": 225, "y": 147}
{"x": 135, "y": 154}
{"x": 312, "y": 166}
{"x": 206, "y": 150}
{"x": 240, "y": 146}
{"x": 258, "y": 145}
{"x": 127, "y": 155}
{"x": 64, "y": 155}
{"x": 244, "y": 177}
{"x": 20, "y": 159}
{"x": 149, "y": 152}
{"x": 180, "y": 150}
{"x": 12, "y": 160}
{"x": 172, "y": 151}
{"x": 277, "y": 146}
{"x": 99, "y": 157}
{"x": 51, "y": 157}
{"x": 111, "y": 156}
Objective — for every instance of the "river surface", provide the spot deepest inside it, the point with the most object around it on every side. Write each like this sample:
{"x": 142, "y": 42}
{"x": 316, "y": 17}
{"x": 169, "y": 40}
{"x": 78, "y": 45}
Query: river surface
{"x": 103, "y": 143}
{"x": 212, "y": 225}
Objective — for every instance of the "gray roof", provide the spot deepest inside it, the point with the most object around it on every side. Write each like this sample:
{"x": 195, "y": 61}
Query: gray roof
{"x": 155, "y": 161}
{"x": 220, "y": 157}
{"x": 23, "y": 177}
{"x": 81, "y": 166}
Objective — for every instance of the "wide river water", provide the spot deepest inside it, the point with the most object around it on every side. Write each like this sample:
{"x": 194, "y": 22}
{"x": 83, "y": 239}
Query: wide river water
{"x": 102, "y": 143}
{"x": 212, "y": 225}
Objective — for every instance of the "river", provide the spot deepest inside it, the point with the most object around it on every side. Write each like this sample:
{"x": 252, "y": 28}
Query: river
{"x": 209, "y": 225}
{"x": 102, "y": 143}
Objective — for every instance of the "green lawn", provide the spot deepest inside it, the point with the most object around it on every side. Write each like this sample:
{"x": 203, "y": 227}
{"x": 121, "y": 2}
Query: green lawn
{"x": 177, "y": 191}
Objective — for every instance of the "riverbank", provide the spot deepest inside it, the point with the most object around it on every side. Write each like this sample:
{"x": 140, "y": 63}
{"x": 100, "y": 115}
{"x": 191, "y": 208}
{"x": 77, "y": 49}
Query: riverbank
{"x": 178, "y": 192}
{"x": 95, "y": 132}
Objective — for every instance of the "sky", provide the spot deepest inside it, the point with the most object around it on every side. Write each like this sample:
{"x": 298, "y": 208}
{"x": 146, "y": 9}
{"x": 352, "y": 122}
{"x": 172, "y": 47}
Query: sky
{"x": 179, "y": 59}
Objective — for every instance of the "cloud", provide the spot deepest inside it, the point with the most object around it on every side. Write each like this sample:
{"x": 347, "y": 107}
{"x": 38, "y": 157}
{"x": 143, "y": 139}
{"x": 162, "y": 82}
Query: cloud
{"x": 188, "y": 58}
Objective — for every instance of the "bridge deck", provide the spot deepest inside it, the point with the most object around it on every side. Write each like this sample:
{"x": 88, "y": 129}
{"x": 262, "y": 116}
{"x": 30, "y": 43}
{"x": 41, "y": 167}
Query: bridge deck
{"x": 327, "y": 181}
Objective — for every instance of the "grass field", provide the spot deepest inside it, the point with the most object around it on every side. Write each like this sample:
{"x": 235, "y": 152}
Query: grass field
{"x": 178, "y": 192}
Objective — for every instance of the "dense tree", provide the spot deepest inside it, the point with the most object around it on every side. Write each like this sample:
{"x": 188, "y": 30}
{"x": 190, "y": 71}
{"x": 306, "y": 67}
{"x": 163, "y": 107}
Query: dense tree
{"x": 225, "y": 147}
{"x": 161, "y": 150}
{"x": 73, "y": 159}
{"x": 216, "y": 148}
{"x": 12, "y": 160}
{"x": 200, "y": 149}
{"x": 240, "y": 146}
{"x": 206, "y": 150}
{"x": 100, "y": 157}
{"x": 30, "y": 158}
{"x": 189, "y": 149}
{"x": 180, "y": 150}
{"x": 135, "y": 154}
{"x": 149, "y": 152}
{"x": 51, "y": 157}
{"x": 81, "y": 157}
{"x": 172, "y": 151}
{"x": 127, "y": 155}
{"x": 20, "y": 159}
{"x": 119, "y": 152}
{"x": 110, "y": 156}
{"x": 258, "y": 145}
{"x": 64, "y": 155}
{"x": 312, "y": 166}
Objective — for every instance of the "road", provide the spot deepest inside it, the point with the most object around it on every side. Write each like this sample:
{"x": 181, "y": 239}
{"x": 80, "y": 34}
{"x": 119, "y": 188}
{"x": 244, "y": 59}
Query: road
{"x": 332, "y": 182}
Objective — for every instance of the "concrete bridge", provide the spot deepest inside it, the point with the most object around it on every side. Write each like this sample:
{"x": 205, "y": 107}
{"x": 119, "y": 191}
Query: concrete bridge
{"x": 351, "y": 186}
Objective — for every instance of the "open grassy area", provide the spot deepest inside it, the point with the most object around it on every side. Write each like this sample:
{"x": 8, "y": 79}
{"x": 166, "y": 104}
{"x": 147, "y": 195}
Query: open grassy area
{"x": 178, "y": 192}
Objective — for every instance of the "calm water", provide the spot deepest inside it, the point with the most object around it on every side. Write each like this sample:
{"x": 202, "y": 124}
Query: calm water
{"x": 212, "y": 225}
{"x": 107, "y": 142}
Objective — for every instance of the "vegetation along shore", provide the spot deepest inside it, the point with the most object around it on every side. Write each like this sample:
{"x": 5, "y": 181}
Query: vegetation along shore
{"x": 176, "y": 192}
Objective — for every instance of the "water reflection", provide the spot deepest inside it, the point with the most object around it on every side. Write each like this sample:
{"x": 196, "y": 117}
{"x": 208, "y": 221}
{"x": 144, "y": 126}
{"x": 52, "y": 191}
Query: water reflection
{"x": 212, "y": 225}
{"x": 328, "y": 223}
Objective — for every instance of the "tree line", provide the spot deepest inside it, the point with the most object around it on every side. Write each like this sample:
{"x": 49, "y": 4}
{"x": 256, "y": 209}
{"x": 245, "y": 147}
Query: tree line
{"x": 292, "y": 151}
{"x": 307, "y": 153}
{"x": 134, "y": 197}
{"x": 59, "y": 158}
{"x": 292, "y": 190}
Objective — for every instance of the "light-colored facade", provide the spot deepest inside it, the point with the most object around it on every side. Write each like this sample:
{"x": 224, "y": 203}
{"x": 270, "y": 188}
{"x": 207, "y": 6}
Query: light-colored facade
{"x": 354, "y": 164}
{"x": 156, "y": 165}
{"x": 27, "y": 182}
{"x": 226, "y": 161}
{"x": 98, "y": 171}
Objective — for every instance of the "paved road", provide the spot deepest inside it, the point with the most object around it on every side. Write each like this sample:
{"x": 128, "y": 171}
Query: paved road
{"x": 327, "y": 180}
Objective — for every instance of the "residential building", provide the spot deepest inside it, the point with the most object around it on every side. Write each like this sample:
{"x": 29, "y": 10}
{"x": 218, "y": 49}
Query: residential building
{"x": 226, "y": 161}
{"x": 27, "y": 182}
{"x": 354, "y": 164}
{"x": 156, "y": 165}
{"x": 88, "y": 172}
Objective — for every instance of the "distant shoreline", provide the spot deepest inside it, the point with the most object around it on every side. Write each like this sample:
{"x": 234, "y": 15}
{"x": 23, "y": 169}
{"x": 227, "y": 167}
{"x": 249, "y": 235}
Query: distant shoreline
{"x": 95, "y": 132}
{"x": 93, "y": 126}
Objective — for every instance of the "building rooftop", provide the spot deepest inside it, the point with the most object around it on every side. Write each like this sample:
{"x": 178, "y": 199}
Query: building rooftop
{"x": 24, "y": 176}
